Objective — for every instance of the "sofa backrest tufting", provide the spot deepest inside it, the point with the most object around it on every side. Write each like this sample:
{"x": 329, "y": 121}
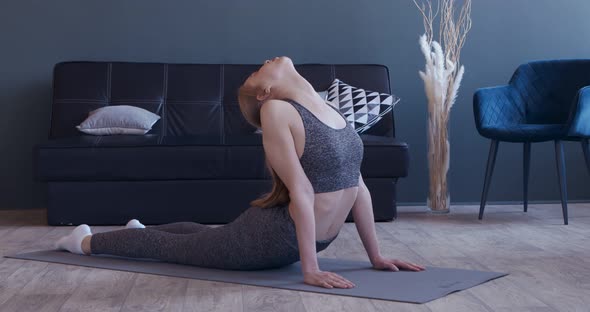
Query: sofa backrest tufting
{"x": 192, "y": 99}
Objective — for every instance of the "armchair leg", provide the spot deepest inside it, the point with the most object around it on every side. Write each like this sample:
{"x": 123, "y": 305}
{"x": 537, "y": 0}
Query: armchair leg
{"x": 561, "y": 176}
{"x": 586, "y": 149}
{"x": 488, "y": 176}
{"x": 526, "y": 166}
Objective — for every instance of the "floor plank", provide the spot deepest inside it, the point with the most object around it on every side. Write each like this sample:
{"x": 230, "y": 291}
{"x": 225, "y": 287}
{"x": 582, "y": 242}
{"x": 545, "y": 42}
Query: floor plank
{"x": 48, "y": 290}
{"x": 155, "y": 293}
{"x": 208, "y": 296}
{"x": 24, "y": 272}
{"x": 315, "y": 302}
{"x": 263, "y": 299}
{"x": 548, "y": 262}
{"x": 101, "y": 290}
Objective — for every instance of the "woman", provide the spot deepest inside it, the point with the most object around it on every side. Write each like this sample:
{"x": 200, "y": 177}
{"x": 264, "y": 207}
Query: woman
{"x": 314, "y": 157}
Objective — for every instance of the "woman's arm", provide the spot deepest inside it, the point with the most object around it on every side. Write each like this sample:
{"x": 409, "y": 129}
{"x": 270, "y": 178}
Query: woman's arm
{"x": 362, "y": 212}
{"x": 301, "y": 208}
{"x": 279, "y": 147}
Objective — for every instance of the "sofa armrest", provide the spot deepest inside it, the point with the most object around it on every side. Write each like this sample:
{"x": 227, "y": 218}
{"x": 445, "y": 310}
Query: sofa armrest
{"x": 391, "y": 152}
{"x": 579, "y": 120}
{"x": 494, "y": 107}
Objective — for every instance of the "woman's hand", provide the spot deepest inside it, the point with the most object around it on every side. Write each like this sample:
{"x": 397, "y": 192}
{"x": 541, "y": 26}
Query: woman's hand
{"x": 326, "y": 279}
{"x": 382, "y": 263}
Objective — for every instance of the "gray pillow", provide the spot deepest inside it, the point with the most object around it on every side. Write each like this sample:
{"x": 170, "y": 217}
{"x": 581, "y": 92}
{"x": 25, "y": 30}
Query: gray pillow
{"x": 118, "y": 119}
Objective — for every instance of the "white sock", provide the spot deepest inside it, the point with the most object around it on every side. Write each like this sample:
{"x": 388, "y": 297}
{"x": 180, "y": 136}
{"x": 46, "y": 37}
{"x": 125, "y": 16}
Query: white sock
{"x": 73, "y": 241}
{"x": 134, "y": 224}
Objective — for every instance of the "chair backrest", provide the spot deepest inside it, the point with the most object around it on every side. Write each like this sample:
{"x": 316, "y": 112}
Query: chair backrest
{"x": 548, "y": 88}
{"x": 192, "y": 99}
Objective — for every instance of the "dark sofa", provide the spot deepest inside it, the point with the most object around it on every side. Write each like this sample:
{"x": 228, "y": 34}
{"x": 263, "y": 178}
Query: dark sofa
{"x": 201, "y": 161}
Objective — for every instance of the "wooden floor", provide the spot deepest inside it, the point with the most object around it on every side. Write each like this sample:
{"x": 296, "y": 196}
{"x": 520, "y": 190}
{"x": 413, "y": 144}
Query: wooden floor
{"x": 548, "y": 262}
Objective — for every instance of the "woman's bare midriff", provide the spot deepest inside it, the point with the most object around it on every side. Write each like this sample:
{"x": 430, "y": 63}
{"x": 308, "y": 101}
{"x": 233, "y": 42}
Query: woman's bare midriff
{"x": 331, "y": 210}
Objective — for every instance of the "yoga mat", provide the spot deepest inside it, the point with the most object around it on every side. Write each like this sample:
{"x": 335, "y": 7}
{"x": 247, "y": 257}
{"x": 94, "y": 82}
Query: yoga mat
{"x": 405, "y": 286}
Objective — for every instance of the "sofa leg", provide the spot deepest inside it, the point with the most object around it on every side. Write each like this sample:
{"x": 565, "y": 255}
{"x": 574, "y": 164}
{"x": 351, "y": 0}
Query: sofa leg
{"x": 586, "y": 149}
{"x": 526, "y": 167}
{"x": 560, "y": 161}
{"x": 488, "y": 176}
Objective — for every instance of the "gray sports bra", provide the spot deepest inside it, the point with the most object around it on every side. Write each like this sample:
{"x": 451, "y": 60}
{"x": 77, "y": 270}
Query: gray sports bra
{"x": 331, "y": 157}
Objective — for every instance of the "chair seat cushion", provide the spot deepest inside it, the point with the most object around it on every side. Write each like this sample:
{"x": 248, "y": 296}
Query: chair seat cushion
{"x": 154, "y": 157}
{"x": 525, "y": 132}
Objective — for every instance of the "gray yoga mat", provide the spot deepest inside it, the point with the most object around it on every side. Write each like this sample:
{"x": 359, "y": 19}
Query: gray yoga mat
{"x": 405, "y": 286}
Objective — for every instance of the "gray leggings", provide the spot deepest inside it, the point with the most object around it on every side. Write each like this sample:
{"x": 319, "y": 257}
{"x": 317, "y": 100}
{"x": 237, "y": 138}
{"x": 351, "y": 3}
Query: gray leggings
{"x": 259, "y": 238}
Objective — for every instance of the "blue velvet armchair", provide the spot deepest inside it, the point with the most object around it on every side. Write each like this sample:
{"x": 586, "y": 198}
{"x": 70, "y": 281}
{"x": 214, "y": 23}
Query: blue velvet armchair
{"x": 544, "y": 101}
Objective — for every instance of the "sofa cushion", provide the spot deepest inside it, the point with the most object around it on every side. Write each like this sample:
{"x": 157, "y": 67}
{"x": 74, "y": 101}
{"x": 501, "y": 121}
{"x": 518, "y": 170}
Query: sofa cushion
{"x": 154, "y": 157}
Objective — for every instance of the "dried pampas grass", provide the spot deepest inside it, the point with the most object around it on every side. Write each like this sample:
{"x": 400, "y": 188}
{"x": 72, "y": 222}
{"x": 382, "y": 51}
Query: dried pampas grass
{"x": 442, "y": 78}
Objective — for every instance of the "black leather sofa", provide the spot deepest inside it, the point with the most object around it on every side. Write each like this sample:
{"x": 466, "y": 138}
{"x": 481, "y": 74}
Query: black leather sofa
{"x": 201, "y": 161}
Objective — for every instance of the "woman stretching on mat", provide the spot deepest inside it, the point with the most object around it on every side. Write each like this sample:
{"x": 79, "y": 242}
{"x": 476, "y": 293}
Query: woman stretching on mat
{"x": 314, "y": 157}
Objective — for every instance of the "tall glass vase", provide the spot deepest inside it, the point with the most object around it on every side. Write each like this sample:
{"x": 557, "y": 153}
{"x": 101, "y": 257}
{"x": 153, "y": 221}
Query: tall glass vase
{"x": 439, "y": 199}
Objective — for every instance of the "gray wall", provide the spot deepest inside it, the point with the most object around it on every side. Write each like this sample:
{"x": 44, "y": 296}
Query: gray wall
{"x": 34, "y": 35}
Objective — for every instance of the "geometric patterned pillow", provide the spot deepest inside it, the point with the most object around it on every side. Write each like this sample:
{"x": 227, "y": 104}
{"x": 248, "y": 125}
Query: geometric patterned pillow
{"x": 362, "y": 108}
